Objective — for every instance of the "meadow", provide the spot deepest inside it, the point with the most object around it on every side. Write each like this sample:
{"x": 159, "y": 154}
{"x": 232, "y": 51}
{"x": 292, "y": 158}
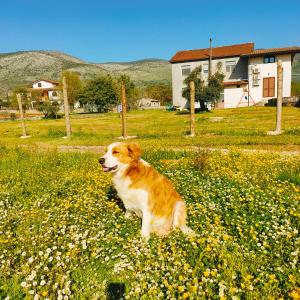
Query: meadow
{"x": 63, "y": 234}
{"x": 242, "y": 128}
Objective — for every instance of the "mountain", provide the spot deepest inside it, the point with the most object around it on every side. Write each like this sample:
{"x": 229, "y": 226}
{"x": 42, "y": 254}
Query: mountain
{"x": 146, "y": 70}
{"x": 23, "y": 67}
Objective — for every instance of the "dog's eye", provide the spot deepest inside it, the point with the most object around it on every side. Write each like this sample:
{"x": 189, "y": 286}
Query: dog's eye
{"x": 115, "y": 152}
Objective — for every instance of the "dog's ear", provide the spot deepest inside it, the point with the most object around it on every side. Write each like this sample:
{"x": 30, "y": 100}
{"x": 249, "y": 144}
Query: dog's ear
{"x": 134, "y": 151}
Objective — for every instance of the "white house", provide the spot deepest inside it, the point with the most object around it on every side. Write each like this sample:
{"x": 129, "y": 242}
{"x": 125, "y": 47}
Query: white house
{"x": 45, "y": 90}
{"x": 250, "y": 75}
{"x": 148, "y": 103}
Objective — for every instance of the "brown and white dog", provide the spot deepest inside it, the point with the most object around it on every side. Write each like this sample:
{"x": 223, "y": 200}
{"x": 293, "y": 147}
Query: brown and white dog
{"x": 144, "y": 191}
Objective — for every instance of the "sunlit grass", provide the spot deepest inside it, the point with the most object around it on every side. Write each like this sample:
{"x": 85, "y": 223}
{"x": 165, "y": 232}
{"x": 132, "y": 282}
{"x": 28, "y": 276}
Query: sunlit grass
{"x": 242, "y": 128}
{"x": 64, "y": 236}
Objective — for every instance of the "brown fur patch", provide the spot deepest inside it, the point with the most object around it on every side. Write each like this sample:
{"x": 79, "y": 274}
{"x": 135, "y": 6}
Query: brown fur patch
{"x": 162, "y": 195}
{"x": 126, "y": 153}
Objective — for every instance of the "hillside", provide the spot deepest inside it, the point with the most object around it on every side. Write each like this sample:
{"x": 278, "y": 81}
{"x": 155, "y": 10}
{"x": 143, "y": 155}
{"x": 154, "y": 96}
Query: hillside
{"x": 21, "y": 68}
{"x": 140, "y": 71}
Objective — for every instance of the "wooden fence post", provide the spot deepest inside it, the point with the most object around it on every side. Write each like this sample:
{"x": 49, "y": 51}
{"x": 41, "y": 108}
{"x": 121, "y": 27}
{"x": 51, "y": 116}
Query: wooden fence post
{"x": 192, "y": 108}
{"x": 279, "y": 96}
{"x": 124, "y": 108}
{"x": 19, "y": 98}
{"x": 66, "y": 107}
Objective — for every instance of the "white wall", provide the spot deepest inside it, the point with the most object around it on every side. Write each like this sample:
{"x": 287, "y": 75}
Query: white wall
{"x": 233, "y": 95}
{"x": 270, "y": 70}
{"x": 50, "y": 94}
{"x": 177, "y": 77}
{"x": 45, "y": 85}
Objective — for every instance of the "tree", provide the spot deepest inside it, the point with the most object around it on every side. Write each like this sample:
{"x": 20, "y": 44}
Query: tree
{"x": 74, "y": 84}
{"x": 295, "y": 88}
{"x": 214, "y": 88}
{"x": 195, "y": 76}
{"x": 130, "y": 88}
{"x": 24, "y": 97}
{"x": 204, "y": 94}
{"x": 159, "y": 91}
{"x": 99, "y": 92}
{"x": 50, "y": 109}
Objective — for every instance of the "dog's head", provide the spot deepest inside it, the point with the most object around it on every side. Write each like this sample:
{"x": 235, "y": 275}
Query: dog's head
{"x": 119, "y": 155}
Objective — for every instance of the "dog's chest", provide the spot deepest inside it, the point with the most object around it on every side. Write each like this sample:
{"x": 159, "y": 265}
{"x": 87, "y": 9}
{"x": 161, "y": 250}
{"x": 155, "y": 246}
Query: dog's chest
{"x": 133, "y": 199}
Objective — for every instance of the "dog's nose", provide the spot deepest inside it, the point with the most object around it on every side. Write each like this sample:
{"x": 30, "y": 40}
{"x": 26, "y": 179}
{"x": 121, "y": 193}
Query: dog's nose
{"x": 101, "y": 160}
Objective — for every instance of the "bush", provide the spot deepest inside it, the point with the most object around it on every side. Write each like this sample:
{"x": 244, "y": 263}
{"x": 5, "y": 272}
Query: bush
{"x": 49, "y": 109}
{"x": 201, "y": 160}
{"x": 293, "y": 131}
{"x": 13, "y": 116}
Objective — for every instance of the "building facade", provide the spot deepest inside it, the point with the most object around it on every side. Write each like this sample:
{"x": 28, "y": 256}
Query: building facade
{"x": 45, "y": 90}
{"x": 250, "y": 75}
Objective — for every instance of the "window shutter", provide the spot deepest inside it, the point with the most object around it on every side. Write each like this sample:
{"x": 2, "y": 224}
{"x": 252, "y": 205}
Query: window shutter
{"x": 271, "y": 86}
{"x": 266, "y": 87}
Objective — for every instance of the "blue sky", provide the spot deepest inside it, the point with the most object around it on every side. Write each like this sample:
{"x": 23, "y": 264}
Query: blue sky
{"x": 115, "y": 30}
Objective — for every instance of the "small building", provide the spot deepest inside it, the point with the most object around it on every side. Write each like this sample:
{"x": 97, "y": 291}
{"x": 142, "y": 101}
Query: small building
{"x": 148, "y": 103}
{"x": 250, "y": 75}
{"x": 45, "y": 90}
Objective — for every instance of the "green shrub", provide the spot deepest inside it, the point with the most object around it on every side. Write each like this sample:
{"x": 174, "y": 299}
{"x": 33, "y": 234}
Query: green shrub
{"x": 49, "y": 109}
{"x": 293, "y": 131}
{"x": 13, "y": 116}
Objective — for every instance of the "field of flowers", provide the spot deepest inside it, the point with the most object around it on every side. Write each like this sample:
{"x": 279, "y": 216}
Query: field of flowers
{"x": 63, "y": 234}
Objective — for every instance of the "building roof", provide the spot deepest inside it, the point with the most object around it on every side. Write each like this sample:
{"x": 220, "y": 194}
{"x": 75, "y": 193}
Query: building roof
{"x": 51, "y": 81}
{"x": 239, "y": 82}
{"x": 217, "y": 52}
{"x": 270, "y": 51}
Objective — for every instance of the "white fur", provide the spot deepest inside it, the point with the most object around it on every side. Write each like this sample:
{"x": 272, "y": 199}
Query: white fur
{"x": 137, "y": 200}
{"x": 110, "y": 160}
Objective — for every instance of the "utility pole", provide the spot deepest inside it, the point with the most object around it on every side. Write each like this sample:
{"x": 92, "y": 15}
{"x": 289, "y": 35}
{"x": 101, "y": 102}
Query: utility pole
{"x": 192, "y": 108}
{"x": 66, "y": 107}
{"x": 19, "y": 98}
{"x": 210, "y": 58}
{"x": 279, "y": 96}
{"x": 123, "y": 99}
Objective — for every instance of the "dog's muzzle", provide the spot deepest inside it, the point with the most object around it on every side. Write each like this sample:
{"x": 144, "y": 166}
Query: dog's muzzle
{"x": 104, "y": 167}
{"x": 107, "y": 169}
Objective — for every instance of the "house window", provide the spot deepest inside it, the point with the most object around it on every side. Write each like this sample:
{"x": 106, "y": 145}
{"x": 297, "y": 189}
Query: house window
{"x": 230, "y": 66}
{"x": 186, "y": 70}
{"x": 54, "y": 94}
{"x": 39, "y": 84}
{"x": 269, "y": 59}
{"x": 205, "y": 68}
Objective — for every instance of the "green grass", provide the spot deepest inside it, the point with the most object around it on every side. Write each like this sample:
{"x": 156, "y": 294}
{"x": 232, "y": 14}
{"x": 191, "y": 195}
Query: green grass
{"x": 62, "y": 232}
{"x": 243, "y": 128}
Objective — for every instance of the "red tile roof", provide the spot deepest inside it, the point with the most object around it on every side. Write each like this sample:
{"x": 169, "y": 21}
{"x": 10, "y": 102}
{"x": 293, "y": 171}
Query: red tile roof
{"x": 217, "y": 52}
{"x": 51, "y": 81}
{"x": 285, "y": 50}
{"x": 228, "y": 83}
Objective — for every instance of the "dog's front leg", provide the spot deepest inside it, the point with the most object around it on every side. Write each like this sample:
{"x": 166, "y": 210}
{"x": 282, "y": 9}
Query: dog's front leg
{"x": 146, "y": 225}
